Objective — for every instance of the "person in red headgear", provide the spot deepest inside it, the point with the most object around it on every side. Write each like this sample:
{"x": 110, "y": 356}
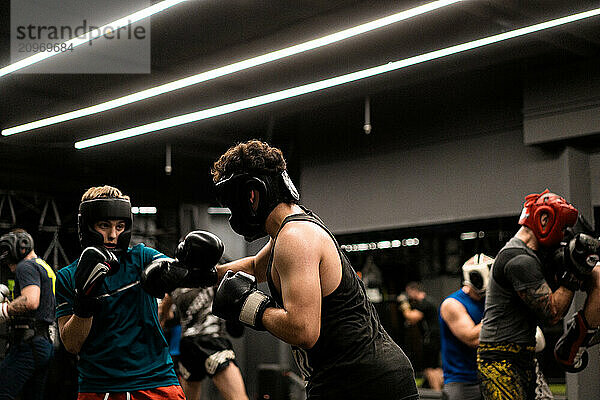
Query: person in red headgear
{"x": 570, "y": 348}
{"x": 532, "y": 281}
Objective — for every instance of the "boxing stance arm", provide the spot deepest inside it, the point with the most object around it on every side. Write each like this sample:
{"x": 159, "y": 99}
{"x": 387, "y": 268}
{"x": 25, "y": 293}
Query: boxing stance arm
{"x": 549, "y": 306}
{"x": 413, "y": 316}
{"x": 460, "y": 323}
{"x": 74, "y": 331}
{"x": 255, "y": 265}
{"x": 296, "y": 262}
{"x": 29, "y": 300}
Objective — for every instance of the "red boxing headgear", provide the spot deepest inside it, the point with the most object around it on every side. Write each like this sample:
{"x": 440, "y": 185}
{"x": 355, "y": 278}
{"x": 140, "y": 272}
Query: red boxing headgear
{"x": 560, "y": 215}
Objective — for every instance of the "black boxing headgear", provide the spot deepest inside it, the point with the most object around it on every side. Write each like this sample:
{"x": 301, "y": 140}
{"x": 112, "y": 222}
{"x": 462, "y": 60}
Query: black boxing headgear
{"x": 104, "y": 209}
{"x": 14, "y": 246}
{"x": 234, "y": 192}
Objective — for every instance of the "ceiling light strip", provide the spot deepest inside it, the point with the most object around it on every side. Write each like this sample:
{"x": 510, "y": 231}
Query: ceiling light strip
{"x": 89, "y": 36}
{"x": 328, "y": 83}
{"x": 231, "y": 68}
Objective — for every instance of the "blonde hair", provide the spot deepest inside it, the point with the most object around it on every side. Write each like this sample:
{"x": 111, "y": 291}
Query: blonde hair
{"x": 103, "y": 192}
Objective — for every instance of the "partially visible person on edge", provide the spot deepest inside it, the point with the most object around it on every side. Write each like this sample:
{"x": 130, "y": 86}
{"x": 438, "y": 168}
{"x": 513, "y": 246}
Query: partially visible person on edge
{"x": 532, "y": 281}
{"x": 29, "y": 316}
{"x": 460, "y": 324}
{"x": 419, "y": 310}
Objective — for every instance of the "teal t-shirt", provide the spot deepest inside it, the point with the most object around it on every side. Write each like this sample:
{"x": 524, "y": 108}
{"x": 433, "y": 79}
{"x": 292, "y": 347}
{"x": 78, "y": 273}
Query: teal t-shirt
{"x": 125, "y": 349}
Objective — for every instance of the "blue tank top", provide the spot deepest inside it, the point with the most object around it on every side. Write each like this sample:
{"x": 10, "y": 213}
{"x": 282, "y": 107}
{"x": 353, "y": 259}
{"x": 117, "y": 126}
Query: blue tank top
{"x": 459, "y": 360}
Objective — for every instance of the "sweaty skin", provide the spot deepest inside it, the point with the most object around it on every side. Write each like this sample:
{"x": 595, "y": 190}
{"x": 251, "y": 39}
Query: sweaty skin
{"x": 306, "y": 267}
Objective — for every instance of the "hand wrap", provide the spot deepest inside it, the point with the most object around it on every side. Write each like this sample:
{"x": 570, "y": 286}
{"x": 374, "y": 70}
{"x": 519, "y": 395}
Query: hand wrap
{"x": 238, "y": 299}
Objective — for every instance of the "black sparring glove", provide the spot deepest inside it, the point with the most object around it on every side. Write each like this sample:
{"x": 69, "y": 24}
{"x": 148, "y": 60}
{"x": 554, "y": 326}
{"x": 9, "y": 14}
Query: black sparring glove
{"x": 238, "y": 299}
{"x": 94, "y": 264}
{"x": 163, "y": 276}
{"x": 560, "y": 267}
{"x": 574, "y": 261}
{"x": 199, "y": 252}
{"x": 583, "y": 255}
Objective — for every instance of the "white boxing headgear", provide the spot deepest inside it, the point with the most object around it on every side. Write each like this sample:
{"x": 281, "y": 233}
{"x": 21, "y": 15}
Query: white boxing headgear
{"x": 476, "y": 272}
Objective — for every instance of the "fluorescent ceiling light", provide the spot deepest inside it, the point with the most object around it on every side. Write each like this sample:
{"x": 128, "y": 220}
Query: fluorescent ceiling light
{"x": 231, "y": 68}
{"x": 218, "y": 210}
{"x": 385, "y": 244}
{"x": 143, "y": 210}
{"x": 88, "y": 36}
{"x": 468, "y": 235}
{"x": 327, "y": 83}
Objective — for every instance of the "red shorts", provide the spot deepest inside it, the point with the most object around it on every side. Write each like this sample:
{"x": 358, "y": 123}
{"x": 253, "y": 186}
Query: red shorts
{"x": 166, "y": 392}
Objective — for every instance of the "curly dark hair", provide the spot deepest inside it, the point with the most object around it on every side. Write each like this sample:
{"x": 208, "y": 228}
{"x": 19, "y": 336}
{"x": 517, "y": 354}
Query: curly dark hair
{"x": 250, "y": 156}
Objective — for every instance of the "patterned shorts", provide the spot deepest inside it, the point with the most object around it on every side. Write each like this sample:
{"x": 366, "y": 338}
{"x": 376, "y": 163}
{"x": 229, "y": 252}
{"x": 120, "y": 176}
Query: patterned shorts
{"x": 202, "y": 356}
{"x": 506, "y": 371}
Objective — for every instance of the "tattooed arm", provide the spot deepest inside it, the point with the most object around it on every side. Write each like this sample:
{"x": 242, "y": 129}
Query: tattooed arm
{"x": 29, "y": 300}
{"x": 525, "y": 273}
{"x": 548, "y": 306}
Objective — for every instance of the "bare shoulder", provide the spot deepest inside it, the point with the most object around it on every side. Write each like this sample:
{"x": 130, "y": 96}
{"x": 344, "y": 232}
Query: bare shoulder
{"x": 451, "y": 307}
{"x": 301, "y": 232}
{"x": 298, "y": 242}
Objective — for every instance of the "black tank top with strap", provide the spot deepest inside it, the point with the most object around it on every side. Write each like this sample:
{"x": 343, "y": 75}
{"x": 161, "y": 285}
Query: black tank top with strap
{"x": 354, "y": 357}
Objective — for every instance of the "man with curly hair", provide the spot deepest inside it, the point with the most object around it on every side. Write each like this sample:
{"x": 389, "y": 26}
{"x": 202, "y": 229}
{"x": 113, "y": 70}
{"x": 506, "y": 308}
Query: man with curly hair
{"x": 317, "y": 304}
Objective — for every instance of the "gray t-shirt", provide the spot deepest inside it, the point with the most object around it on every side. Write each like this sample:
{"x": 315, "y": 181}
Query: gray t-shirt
{"x": 506, "y": 317}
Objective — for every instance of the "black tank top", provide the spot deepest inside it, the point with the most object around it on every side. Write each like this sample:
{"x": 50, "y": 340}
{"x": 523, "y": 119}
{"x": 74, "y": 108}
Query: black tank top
{"x": 354, "y": 357}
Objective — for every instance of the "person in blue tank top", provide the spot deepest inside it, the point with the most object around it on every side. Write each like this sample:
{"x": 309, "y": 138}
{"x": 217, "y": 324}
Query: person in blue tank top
{"x": 105, "y": 316}
{"x": 460, "y": 323}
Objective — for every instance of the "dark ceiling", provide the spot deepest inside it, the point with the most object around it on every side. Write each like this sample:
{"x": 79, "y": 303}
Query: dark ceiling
{"x": 196, "y": 36}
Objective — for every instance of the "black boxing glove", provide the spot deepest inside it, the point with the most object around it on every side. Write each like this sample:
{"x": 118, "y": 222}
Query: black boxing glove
{"x": 570, "y": 281}
{"x": 199, "y": 252}
{"x": 583, "y": 255}
{"x": 238, "y": 299}
{"x": 162, "y": 276}
{"x": 560, "y": 268}
{"x": 94, "y": 264}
